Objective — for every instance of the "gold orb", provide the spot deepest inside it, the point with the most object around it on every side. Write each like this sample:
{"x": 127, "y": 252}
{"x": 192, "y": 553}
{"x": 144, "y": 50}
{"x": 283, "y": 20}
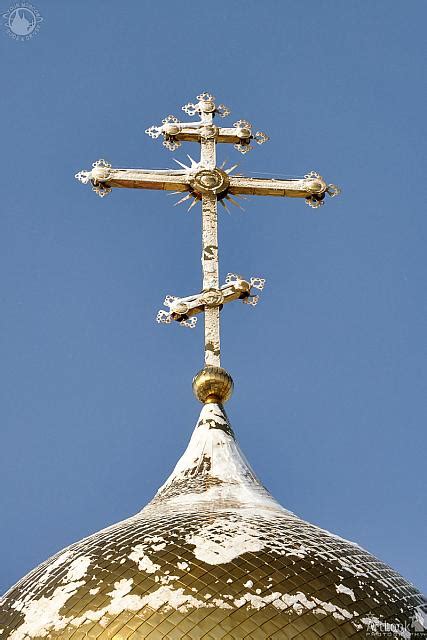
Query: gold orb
{"x": 213, "y": 384}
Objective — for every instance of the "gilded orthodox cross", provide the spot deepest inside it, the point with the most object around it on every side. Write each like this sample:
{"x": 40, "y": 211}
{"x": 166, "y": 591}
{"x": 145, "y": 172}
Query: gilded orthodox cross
{"x": 204, "y": 181}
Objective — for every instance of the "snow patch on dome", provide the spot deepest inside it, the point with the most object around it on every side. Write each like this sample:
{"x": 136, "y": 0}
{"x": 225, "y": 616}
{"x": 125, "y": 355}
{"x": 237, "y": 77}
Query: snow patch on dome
{"x": 42, "y": 615}
{"x": 173, "y": 599}
{"x": 219, "y": 602}
{"x": 225, "y": 539}
{"x": 77, "y": 569}
{"x": 343, "y": 589}
{"x": 61, "y": 559}
{"x": 300, "y": 552}
{"x": 122, "y": 600}
{"x": 168, "y": 578}
{"x": 143, "y": 561}
{"x": 298, "y": 602}
{"x": 352, "y": 569}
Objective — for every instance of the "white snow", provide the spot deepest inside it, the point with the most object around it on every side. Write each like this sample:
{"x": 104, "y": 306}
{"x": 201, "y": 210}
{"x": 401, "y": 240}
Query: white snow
{"x": 77, "y": 569}
{"x": 345, "y": 565}
{"x": 223, "y": 540}
{"x": 227, "y": 464}
{"x": 167, "y": 579}
{"x": 143, "y": 561}
{"x": 343, "y": 589}
{"x": 298, "y": 602}
{"x": 300, "y": 552}
{"x": 173, "y": 599}
{"x": 54, "y": 565}
{"x": 42, "y": 615}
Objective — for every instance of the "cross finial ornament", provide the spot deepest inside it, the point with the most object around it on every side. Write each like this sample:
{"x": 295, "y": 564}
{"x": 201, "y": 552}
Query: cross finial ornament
{"x": 205, "y": 182}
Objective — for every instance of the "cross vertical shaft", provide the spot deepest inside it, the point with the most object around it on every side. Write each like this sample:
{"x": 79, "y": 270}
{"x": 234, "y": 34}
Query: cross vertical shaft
{"x": 210, "y": 262}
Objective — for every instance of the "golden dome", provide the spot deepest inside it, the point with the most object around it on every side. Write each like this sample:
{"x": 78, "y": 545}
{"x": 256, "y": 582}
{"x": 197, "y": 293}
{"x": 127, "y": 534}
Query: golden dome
{"x": 212, "y": 556}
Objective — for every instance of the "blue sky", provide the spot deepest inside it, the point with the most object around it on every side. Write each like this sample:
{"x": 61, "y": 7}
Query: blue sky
{"x": 330, "y": 368}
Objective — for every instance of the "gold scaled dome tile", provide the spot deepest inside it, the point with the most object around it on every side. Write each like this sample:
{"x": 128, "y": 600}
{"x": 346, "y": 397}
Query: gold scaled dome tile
{"x": 212, "y": 556}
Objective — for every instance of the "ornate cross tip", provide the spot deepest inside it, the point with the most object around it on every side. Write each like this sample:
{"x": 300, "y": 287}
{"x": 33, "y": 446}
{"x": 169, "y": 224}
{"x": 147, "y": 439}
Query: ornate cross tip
{"x": 98, "y": 177}
{"x": 318, "y": 189}
{"x": 206, "y": 103}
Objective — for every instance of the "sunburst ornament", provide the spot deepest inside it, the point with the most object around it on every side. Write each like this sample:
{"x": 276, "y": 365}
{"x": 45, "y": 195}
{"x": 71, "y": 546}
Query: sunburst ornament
{"x": 203, "y": 181}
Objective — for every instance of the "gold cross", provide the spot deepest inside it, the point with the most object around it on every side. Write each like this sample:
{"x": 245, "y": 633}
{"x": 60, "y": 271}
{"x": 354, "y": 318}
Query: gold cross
{"x": 204, "y": 181}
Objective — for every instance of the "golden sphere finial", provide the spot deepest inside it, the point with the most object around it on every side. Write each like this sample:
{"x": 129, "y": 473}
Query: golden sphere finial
{"x": 213, "y": 384}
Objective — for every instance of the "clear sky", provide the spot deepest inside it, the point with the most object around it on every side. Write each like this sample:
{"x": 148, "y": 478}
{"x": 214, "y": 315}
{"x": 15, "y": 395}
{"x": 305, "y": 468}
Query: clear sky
{"x": 330, "y": 369}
